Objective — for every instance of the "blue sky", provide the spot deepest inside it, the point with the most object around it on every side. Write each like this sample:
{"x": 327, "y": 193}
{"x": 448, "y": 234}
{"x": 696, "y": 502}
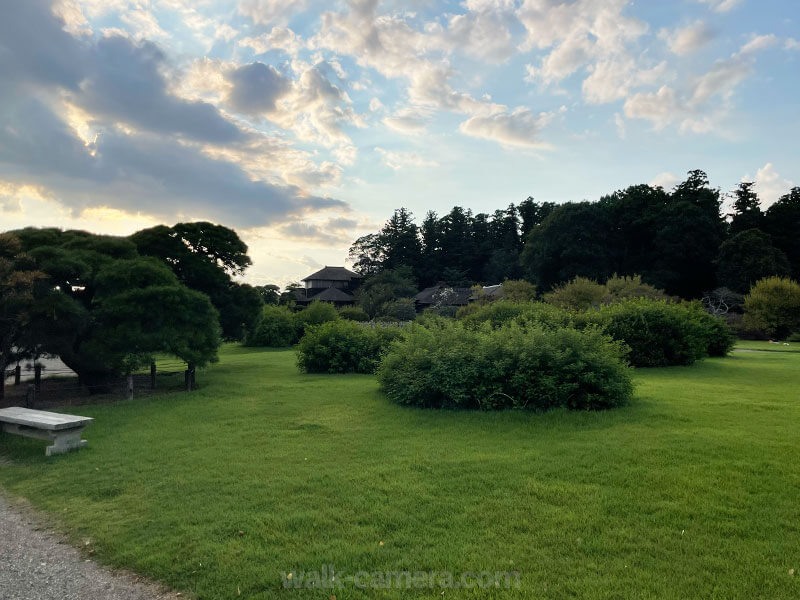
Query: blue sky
{"x": 304, "y": 124}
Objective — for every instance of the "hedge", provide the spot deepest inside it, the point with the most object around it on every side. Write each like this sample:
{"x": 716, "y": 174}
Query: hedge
{"x": 344, "y": 347}
{"x": 535, "y": 368}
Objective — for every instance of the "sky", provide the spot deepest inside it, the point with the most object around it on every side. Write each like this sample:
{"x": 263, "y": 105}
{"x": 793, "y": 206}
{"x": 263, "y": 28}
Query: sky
{"x": 303, "y": 124}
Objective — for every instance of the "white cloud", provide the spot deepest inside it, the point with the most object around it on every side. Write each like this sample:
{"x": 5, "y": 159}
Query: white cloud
{"x": 661, "y": 108}
{"x": 269, "y": 12}
{"x": 759, "y": 42}
{"x": 619, "y": 123}
{"x": 721, "y": 6}
{"x": 687, "y": 40}
{"x": 791, "y": 44}
{"x": 519, "y": 128}
{"x": 409, "y": 121}
{"x": 375, "y": 105}
{"x": 402, "y": 160}
{"x": 770, "y": 186}
{"x": 665, "y": 180}
{"x": 279, "y": 38}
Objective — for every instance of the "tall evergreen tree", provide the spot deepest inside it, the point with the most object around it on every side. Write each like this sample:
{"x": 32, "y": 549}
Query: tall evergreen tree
{"x": 747, "y": 209}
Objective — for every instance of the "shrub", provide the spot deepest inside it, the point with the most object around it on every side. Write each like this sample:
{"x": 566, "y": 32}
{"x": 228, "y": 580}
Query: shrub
{"x": 502, "y": 312}
{"x": 718, "y": 334}
{"x": 512, "y": 367}
{"x": 630, "y": 286}
{"x": 353, "y": 313}
{"x": 658, "y": 333}
{"x": 275, "y": 327}
{"x": 344, "y": 347}
{"x": 518, "y": 290}
{"x": 400, "y": 310}
{"x": 579, "y": 294}
{"x": 315, "y": 313}
{"x": 773, "y": 305}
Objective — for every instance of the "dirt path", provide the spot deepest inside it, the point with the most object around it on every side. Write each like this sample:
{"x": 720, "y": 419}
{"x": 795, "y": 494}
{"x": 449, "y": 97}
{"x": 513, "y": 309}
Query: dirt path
{"x": 36, "y": 564}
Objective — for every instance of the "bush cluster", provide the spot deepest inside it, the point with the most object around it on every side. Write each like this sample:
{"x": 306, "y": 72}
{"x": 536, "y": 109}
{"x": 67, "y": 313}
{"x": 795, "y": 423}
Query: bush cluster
{"x": 275, "y": 328}
{"x": 501, "y": 312}
{"x": 453, "y": 366}
{"x": 278, "y": 326}
{"x": 344, "y": 347}
{"x": 660, "y": 333}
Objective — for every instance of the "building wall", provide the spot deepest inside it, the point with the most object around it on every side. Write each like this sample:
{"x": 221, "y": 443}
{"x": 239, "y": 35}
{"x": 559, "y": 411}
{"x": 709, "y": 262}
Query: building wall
{"x": 324, "y": 283}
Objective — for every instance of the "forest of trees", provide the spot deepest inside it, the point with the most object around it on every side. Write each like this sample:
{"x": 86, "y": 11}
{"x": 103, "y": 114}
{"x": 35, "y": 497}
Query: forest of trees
{"x": 678, "y": 240}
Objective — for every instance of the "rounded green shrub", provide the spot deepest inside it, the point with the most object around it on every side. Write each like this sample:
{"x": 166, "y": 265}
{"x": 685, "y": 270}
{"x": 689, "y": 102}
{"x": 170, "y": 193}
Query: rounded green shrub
{"x": 501, "y": 312}
{"x": 315, "y": 313}
{"x": 353, "y": 313}
{"x": 718, "y": 334}
{"x": 344, "y": 347}
{"x": 275, "y": 328}
{"x": 453, "y": 366}
{"x": 658, "y": 333}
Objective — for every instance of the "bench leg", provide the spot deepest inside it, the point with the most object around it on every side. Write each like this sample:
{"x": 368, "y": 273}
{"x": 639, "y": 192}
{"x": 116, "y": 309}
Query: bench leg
{"x": 65, "y": 440}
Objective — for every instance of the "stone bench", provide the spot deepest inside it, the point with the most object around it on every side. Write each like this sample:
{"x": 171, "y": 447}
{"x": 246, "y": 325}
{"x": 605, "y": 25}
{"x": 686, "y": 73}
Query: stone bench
{"x": 63, "y": 430}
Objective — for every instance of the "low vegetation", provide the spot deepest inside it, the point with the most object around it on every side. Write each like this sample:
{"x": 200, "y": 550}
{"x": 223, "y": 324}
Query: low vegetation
{"x": 344, "y": 347}
{"x": 512, "y": 367}
{"x": 683, "y": 493}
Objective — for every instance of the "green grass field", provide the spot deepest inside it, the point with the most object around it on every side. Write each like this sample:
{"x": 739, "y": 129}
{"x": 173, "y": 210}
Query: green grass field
{"x": 765, "y": 345}
{"x": 692, "y": 491}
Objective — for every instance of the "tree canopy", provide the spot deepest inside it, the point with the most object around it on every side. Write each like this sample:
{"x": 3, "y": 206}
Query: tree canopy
{"x": 206, "y": 257}
{"x": 104, "y": 310}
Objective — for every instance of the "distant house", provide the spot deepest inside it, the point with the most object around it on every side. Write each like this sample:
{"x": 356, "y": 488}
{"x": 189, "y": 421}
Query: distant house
{"x": 444, "y": 294}
{"x": 330, "y": 284}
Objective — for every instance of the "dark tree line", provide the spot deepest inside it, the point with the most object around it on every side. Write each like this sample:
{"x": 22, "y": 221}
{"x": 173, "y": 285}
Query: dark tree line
{"x": 678, "y": 240}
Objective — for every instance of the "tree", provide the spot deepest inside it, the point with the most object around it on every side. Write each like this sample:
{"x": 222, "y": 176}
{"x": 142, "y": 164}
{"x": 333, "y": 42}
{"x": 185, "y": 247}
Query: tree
{"x": 747, "y": 208}
{"x": 773, "y": 305}
{"x": 518, "y": 290}
{"x": 270, "y": 293}
{"x": 400, "y": 241}
{"x": 571, "y": 241}
{"x": 721, "y": 301}
{"x": 367, "y": 254}
{"x": 782, "y": 222}
{"x": 532, "y": 213}
{"x": 748, "y": 257}
{"x": 378, "y": 289}
{"x": 105, "y": 310}
{"x": 18, "y": 278}
{"x": 579, "y": 294}
{"x": 205, "y": 257}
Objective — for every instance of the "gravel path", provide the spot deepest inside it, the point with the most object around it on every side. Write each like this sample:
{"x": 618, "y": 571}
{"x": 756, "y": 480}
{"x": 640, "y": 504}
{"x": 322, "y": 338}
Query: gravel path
{"x": 36, "y": 564}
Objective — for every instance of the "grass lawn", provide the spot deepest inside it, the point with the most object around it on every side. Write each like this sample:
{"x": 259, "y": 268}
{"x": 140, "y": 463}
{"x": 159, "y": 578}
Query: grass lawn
{"x": 765, "y": 345}
{"x": 692, "y": 491}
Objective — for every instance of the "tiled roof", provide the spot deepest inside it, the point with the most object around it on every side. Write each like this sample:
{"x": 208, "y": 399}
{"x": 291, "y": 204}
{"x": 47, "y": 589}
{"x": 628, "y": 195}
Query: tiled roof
{"x": 333, "y": 274}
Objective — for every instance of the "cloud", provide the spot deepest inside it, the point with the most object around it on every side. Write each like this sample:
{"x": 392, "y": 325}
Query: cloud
{"x": 519, "y": 128}
{"x": 398, "y": 160}
{"x": 770, "y": 186}
{"x": 268, "y": 12}
{"x": 665, "y": 180}
{"x": 407, "y": 121}
{"x": 689, "y": 39}
{"x": 721, "y": 6}
{"x": 255, "y": 88}
{"x": 759, "y": 42}
{"x": 279, "y": 38}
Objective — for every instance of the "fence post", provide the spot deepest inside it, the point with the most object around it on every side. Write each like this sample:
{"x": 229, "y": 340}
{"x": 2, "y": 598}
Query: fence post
{"x": 37, "y": 377}
{"x": 153, "y": 375}
{"x": 30, "y": 396}
{"x": 130, "y": 386}
{"x": 17, "y": 375}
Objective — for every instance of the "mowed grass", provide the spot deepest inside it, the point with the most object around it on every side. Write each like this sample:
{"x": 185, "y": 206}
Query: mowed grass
{"x": 692, "y": 491}
{"x": 766, "y": 345}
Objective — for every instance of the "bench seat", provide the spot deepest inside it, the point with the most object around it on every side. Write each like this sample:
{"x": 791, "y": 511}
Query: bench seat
{"x": 63, "y": 430}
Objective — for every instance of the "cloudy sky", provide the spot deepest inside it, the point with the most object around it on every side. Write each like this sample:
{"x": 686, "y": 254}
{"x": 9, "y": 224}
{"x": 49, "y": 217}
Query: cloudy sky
{"x": 305, "y": 123}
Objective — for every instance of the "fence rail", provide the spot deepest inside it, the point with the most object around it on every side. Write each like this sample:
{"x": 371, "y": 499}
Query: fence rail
{"x": 60, "y": 385}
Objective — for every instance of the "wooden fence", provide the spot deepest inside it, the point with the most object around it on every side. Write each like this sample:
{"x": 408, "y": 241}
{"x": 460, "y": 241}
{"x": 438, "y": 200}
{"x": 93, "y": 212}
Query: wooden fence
{"x": 53, "y": 386}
